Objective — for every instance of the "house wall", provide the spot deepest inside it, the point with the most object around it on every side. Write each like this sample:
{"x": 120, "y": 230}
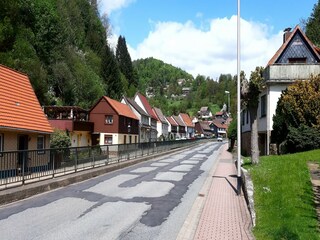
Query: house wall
{"x": 119, "y": 138}
{"x": 10, "y": 138}
{"x": 165, "y": 131}
{"x": 159, "y": 128}
{"x": 80, "y": 139}
{"x": 97, "y": 115}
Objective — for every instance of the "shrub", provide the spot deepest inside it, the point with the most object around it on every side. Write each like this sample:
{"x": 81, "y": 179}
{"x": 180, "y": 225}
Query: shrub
{"x": 60, "y": 139}
{"x": 302, "y": 139}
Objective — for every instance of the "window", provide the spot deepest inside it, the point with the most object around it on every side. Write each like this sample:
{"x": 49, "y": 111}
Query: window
{"x": 297, "y": 60}
{"x": 107, "y": 139}
{"x": 1, "y": 144}
{"x": 247, "y": 117}
{"x": 40, "y": 144}
{"x": 263, "y": 105}
{"x": 109, "y": 119}
{"x": 243, "y": 117}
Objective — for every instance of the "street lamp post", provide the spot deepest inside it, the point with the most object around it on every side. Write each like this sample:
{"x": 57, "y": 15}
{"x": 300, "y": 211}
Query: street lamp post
{"x": 238, "y": 103}
{"x": 228, "y": 93}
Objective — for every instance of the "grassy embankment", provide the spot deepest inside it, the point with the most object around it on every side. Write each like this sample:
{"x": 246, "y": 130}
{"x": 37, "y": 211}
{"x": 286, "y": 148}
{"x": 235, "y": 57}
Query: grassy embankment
{"x": 284, "y": 200}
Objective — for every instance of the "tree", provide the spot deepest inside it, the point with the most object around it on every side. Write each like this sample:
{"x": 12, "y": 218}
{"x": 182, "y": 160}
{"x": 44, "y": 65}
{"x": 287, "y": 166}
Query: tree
{"x": 299, "y": 105}
{"x": 313, "y": 25}
{"x": 111, "y": 74}
{"x": 232, "y": 133}
{"x": 250, "y": 95}
{"x": 124, "y": 62}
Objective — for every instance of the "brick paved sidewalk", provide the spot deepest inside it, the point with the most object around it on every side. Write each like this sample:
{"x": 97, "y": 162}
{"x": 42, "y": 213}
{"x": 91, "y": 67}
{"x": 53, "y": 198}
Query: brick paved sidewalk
{"x": 225, "y": 214}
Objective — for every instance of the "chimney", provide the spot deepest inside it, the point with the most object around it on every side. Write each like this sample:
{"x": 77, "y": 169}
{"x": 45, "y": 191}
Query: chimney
{"x": 286, "y": 34}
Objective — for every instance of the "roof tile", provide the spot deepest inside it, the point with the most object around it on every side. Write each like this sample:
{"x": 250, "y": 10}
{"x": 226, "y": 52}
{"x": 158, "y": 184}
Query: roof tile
{"x": 19, "y": 106}
{"x": 120, "y": 108}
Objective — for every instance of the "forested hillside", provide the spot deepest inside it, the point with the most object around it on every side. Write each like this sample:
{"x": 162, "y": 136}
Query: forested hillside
{"x": 58, "y": 43}
{"x": 62, "y": 46}
{"x": 157, "y": 74}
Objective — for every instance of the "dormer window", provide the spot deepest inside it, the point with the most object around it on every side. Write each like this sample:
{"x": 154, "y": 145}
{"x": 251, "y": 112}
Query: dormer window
{"x": 297, "y": 60}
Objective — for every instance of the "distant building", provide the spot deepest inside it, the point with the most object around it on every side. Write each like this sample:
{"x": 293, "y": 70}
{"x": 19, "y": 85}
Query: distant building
{"x": 189, "y": 125}
{"x": 145, "y": 105}
{"x": 162, "y": 124}
{"x": 205, "y": 114}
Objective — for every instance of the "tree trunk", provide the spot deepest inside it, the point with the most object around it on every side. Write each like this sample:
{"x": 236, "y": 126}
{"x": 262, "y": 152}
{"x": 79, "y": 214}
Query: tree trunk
{"x": 254, "y": 136}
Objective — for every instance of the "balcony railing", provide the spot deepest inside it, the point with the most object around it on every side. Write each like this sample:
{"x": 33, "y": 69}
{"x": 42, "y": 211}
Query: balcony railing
{"x": 287, "y": 73}
{"x": 27, "y": 166}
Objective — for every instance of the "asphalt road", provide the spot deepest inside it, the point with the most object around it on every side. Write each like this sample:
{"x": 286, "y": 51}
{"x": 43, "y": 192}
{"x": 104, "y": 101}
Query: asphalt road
{"x": 150, "y": 200}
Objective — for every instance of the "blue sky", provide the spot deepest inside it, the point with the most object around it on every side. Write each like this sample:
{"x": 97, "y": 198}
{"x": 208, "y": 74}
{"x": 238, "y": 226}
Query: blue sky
{"x": 200, "y": 36}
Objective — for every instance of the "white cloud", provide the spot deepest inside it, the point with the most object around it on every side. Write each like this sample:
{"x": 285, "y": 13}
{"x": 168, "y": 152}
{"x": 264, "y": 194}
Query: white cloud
{"x": 209, "y": 52}
{"x": 109, "y": 6}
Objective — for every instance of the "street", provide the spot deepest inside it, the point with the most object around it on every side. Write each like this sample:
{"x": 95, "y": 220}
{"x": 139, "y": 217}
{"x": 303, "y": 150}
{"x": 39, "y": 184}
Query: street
{"x": 150, "y": 200}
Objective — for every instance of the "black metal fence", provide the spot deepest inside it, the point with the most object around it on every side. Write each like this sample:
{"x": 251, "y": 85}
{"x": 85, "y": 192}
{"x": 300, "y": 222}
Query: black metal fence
{"x": 26, "y": 166}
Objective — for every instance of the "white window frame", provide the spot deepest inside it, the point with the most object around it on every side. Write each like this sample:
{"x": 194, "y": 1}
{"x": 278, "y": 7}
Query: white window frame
{"x": 108, "y": 139}
{"x": 109, "y": 119}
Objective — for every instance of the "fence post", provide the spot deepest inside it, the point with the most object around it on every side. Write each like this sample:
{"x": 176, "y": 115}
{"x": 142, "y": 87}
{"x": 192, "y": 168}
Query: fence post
{"x": 23, "y": 164}
{"x": 91, "y": 152}
{"x": 76, "y": 160}
{"x": 53, "y": 161}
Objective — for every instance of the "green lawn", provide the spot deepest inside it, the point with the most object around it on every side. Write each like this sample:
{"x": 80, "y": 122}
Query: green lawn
{"x": 283, "y": 197}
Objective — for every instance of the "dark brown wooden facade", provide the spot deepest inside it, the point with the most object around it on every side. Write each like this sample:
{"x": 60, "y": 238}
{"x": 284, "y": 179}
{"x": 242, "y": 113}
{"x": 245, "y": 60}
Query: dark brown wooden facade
{"x": 120, "y": 124}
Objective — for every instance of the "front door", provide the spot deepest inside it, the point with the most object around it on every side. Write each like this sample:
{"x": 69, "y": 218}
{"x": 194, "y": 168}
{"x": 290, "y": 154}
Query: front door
{"x": 23, "y": 154}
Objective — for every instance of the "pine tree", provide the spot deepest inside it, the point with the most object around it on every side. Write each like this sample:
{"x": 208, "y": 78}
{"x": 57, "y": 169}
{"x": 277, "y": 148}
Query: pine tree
{"x": 111, "y": 74}
{"x": 124, "y": 62}
{"x": 313, "y": 25}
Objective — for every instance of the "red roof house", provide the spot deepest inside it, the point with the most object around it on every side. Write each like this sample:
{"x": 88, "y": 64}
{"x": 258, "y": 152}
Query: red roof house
{"x": 114, "y": 123}
{"x": 23, "y": 125}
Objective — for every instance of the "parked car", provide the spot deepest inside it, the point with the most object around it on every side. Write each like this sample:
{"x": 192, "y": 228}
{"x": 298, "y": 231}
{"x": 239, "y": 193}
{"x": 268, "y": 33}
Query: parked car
{"x": 219, "y": 139}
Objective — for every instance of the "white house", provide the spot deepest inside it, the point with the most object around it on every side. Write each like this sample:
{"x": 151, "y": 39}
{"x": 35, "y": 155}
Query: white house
{"x": 162, "y": 124}
{"x": 296, "y": 59}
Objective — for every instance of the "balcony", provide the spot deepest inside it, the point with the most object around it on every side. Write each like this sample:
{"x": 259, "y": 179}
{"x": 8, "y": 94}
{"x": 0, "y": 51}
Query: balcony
{"x": 69, "y": 118}
{"x": 71, "y": 125}
{"x": 288, "y": 73}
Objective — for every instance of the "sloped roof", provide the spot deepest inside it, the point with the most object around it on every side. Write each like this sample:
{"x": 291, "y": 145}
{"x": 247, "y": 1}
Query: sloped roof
{"x": 204, "y": 109}
{"x": 171, "y": 121}
{"x": 136, "y": 106}
{"x": 146, "y": 105}
{"x": 205, "y": 126}
{"x": 120, "y": 108}
{"x": 178, "y": 120}
{"x": 19, "y": 106}
{"x": 276, "y": 56}
{"x": 187, "y": 120}
{"x": 219, "y": 124}
{"x": 160, "y": 115}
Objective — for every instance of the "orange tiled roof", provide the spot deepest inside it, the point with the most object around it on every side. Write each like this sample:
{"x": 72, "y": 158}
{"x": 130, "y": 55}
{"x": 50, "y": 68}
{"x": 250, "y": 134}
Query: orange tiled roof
{"x": 19, "y": 106}
{"x": 171, "y": 121}
{"x": 120, "y": 108}
{"x": 185, "y": 117}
